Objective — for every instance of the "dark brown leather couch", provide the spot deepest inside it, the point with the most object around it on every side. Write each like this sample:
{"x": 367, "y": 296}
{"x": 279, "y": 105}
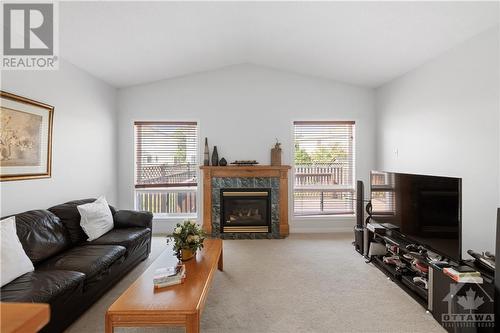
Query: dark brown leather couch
{"x": 71, "y": 273}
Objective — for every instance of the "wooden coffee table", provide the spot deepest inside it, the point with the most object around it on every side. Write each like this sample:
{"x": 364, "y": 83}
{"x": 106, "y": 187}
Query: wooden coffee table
{"x": 23, "y": 317}
{"x": 180, "y": 305}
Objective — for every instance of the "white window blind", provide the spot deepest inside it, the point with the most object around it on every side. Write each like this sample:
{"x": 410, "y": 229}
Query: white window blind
{"x": 383, "y": 188}
{"x": 166, "y": 167}
{"x": 324, "y": 162}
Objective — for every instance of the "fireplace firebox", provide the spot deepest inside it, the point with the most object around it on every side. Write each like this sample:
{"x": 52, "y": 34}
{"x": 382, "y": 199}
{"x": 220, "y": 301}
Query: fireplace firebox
{"x": 245, "y": 210}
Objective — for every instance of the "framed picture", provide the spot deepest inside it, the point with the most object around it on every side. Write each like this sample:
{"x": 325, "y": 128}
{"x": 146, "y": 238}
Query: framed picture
{"x": 25, "y": 138}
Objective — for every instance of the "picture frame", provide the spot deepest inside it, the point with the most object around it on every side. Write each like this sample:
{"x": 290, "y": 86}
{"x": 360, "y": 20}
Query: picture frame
{"x": 25, "y": 138}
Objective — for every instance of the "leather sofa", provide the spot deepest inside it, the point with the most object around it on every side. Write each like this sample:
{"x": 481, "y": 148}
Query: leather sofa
{"x": 71, "y": 273}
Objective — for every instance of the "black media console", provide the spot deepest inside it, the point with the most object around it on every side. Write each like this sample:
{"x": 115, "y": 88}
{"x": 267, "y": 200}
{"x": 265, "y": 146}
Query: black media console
{"x": 458, "y": 307}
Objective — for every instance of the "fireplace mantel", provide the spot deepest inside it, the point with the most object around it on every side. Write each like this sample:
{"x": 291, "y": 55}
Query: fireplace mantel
{"x": 256, "y": 171}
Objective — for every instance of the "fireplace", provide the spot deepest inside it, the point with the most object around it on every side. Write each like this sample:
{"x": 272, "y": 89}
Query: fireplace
{"x": 250, "y": 179}
{"x": 245, "y": 210}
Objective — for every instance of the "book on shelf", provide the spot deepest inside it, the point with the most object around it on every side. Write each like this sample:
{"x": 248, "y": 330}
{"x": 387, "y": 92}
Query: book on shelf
{"x": 169, "y": 276}
{"x": 463, "y": 275}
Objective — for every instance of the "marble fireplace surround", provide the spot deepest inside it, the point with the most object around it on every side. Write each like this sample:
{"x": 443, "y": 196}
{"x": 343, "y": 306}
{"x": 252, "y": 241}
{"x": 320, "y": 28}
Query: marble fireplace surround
{"x": 261, "y": 176}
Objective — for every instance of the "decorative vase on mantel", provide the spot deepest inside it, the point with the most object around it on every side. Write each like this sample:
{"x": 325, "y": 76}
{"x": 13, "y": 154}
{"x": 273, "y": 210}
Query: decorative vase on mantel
{"x": 187, "y": 254}
{"x": 206, "y": 154}
{"x": 215, "y": 157}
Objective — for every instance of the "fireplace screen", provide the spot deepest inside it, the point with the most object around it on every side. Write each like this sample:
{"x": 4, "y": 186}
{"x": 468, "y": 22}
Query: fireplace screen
{"x": 245, "y": 210}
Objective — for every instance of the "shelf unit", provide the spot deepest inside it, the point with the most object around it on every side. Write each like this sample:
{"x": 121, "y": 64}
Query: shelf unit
{"x": 403, "y": 277}
{"x": 435, "y": 299}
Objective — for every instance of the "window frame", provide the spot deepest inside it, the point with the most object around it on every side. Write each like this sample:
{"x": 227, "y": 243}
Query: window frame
{"x": 339, "y": 188}
{"x": 172, "y": 187}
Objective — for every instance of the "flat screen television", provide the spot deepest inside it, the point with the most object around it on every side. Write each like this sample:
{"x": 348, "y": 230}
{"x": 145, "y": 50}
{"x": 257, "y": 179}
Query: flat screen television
{"x": 423, "y": 209}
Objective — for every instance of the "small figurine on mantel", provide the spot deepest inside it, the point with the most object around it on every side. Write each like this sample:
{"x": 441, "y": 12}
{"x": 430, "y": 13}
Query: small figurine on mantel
{"x": 276, "y": 154}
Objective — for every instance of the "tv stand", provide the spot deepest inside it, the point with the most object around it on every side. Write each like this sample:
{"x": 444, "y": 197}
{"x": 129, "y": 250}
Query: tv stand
{"x": 402, "y": 274}
{"x": 441, "y": 295}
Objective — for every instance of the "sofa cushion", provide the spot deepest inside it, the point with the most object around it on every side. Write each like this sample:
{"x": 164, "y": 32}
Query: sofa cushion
{"x": 96, "y": 218}
{"x": 70, "y": 217}
{"x": 42, "y": 234}
{"x": 14, "y": 261}
{"x": 42, "y": 286}
{"x": 130, "y": 238}
{"x": 133, "y": 218}
{"x": 92, "y": 260}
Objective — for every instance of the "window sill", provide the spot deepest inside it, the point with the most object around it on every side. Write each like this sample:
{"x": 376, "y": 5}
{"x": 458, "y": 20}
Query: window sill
{"x": 323, "y": 217}
{"x": 175, "y": 217}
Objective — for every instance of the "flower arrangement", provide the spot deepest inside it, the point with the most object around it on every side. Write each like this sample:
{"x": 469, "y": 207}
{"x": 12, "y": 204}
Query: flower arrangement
{"x": 187, "y": 237}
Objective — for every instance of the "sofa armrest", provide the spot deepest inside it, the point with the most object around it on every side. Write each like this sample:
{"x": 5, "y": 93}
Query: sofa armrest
{"x": 133, "y": 218}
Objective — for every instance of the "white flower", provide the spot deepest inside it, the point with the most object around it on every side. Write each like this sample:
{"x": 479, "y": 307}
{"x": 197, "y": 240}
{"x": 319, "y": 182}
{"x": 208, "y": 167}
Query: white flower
{"x": 196, "y": 238}
{"x": 190, "y": 238}
{"x": 177, "y": 230}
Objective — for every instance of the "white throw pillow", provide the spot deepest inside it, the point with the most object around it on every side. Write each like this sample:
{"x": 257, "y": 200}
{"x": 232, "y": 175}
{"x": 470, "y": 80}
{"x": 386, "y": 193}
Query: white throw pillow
{"x": 96, "y": 218}
{"x": 14, "y": 262}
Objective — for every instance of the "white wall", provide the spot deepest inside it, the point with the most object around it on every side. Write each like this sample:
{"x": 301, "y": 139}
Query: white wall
{"x": 242, "y": 109}
{"x": 83, "y": 143}
{"x": 443, "y": 119}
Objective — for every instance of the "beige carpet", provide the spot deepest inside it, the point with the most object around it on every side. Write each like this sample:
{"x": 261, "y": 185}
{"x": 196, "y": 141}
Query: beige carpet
{"x": 305, "y": 283}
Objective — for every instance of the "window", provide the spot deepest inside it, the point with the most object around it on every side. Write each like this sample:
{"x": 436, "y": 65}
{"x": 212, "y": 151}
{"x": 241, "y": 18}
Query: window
{"x": 324, "y": 168}
{"x": 383, "y": 188}
{"x": 166, "y": 168}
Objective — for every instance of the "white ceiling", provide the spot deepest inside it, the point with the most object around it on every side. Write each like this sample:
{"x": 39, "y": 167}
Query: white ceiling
{"x": 363, "y": 43}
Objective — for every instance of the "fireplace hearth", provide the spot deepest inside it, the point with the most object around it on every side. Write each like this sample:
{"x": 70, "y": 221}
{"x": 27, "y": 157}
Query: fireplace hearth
{"x": 245, "y": 210}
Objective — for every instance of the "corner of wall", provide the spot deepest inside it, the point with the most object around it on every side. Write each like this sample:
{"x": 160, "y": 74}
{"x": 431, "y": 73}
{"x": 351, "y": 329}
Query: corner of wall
{"x": 84, "y": 138}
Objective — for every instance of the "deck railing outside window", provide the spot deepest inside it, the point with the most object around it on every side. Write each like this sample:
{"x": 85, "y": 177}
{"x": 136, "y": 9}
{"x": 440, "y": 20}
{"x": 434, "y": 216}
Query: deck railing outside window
{"x": 324, "y": 168}
{"x": 166, "y": 168}
{"x": 167, "y": 201}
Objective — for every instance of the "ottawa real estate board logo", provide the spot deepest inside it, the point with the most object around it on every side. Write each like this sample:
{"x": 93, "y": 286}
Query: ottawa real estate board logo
{"x": 30, "y": 36}
{"x": 470, "y": 306}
